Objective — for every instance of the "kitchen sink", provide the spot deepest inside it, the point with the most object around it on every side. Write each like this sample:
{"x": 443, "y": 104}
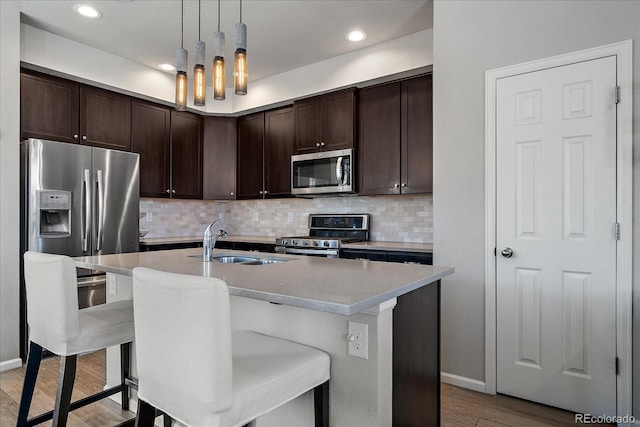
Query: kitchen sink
{"x": 243, "y": 260}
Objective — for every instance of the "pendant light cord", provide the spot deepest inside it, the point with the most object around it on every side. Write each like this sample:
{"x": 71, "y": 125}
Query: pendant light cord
{"x": 182, "y": 24}
{"x": 198, "y": 19}
{"x": 240, "y": 10}
{"x": 218, "y": 15}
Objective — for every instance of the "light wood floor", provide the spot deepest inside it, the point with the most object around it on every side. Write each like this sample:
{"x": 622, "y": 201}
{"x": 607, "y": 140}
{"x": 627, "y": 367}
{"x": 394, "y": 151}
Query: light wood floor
{"x": 460, "y": 407}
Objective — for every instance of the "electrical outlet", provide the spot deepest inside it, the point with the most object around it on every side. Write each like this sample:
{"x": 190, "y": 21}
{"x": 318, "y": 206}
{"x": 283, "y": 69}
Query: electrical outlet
{"x": 358, "y": 339}
{"x": 255, "y": 216}
{"x": 290, "y": 217}
{"x": 112, "y": 285}
{"x": 220, "y": 215}
{"x": 149, "y": 217}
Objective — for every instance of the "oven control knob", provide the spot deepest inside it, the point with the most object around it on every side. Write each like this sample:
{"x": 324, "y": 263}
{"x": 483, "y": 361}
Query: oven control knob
{"x": 316, "y": 243}
{"x": 326, "y": 244}
{"x": 305, "y": 243}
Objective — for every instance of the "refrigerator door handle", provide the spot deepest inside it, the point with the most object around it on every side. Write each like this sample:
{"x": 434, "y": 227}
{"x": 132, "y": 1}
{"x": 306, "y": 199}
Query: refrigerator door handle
{"x": 86, "y": 218}
{"x": 100, "y": 210}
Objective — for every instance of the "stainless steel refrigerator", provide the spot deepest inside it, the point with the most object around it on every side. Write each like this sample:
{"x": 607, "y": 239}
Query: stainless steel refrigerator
{"x": 77, "y": 200}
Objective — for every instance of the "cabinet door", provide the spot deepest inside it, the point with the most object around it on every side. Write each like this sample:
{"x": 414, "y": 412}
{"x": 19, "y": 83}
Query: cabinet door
{"x": 150, "y": 137}
{"x": 105, "y": 119}
{"x": 308, "y": 120}
{"x": 219, "y": 158}
{"x": 279, "y": 145}
{"x": 250, "y": 156}
{"x": 339, "y": 120}
{"x": 417, "y": 135}
{"x": 186, "y": 155}
{"x": 379, "y": 140}
{"x": 48, "y": 108}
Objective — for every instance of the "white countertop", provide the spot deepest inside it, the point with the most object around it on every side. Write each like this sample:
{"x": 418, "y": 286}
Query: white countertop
{"x": 382, "y": 246}
{"x": 338, "y": 286}
{"x": 390, "y": 246}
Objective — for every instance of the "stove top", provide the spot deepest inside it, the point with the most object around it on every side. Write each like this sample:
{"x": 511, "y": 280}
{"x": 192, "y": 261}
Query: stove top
{"x": 328, "y": 231}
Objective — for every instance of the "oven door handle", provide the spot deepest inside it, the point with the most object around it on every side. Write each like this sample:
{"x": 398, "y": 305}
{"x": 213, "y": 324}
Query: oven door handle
{"x": 295, "y": 251}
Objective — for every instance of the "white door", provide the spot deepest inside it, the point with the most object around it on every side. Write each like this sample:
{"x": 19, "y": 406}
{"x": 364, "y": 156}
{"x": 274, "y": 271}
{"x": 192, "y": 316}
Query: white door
{"x": 556, "y": 212}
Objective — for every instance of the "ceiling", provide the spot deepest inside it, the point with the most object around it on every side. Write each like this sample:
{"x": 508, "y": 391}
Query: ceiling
{"x": 282, "y": 34}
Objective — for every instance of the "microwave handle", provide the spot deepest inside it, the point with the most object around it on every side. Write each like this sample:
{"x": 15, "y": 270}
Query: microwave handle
{"x": 339, "y": 170}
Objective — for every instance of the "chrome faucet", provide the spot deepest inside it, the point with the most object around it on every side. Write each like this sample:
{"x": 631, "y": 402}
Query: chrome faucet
{"x": 210, "y": 237}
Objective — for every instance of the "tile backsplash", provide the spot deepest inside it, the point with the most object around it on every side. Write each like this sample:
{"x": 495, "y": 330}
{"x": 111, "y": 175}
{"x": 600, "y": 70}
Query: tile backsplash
{"x": 393, "y": 218}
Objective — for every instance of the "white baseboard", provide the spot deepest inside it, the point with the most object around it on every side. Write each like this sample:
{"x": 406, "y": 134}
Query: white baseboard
{"x": 464, "y": 382}
{"x": 10, "y": 364}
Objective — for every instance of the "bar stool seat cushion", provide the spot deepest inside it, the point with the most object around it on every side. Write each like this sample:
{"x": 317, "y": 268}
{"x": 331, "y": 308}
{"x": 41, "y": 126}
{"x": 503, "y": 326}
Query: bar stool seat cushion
{"x": 269, "y": 371}
{"x": 103, "y": 326}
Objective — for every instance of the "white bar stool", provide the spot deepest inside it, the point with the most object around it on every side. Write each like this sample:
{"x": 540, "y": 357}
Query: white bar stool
{"x": 192, "y": 367}
{"x": 56, "y": 324}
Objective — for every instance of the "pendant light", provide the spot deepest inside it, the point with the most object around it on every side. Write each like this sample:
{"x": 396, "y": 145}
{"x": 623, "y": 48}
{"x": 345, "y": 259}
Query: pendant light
{"x": 181, "y": 67}
{"x": 199, "y": 75}
{"x": 218, "y": 63}
{"x": 241, "y": 73}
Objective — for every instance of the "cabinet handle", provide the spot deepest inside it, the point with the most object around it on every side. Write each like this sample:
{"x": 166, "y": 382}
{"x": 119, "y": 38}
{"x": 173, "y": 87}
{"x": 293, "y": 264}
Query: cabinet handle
{"x": 404, "y": 185}
{"x": 84, "y": 137}
{"x": 322, "y": 144}
{"x": 396, "y": 185}
{"x": 261, "y": 192}
{"x": 317, "y": 144}
{"x": 168, "y": 191}
{"x": 232, "y": 193}
{"x": 75, "y": 136}
{"x": 266, "y": 192}
{"x": 173, "y": 191}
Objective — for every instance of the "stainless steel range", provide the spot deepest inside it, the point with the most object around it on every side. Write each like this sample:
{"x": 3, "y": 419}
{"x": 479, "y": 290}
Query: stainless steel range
{"x": 326, "y": 233}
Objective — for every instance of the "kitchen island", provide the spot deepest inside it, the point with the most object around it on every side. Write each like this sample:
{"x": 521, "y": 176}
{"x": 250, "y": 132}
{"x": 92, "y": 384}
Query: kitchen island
{"x": 312, "y": 300}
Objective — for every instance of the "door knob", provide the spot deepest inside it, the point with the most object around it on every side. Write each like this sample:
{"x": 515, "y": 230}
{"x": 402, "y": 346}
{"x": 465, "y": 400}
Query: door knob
{"x": 507, "y": 252}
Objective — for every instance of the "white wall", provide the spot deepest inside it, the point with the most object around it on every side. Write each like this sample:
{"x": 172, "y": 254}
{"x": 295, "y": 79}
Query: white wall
{"x": 471, "y": 37}
{"x": 9, "y": 184}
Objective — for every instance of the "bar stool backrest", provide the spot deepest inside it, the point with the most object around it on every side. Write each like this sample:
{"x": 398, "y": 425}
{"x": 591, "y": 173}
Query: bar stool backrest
{"x": 52, "y": 300}
{"x": 183, "y": 344}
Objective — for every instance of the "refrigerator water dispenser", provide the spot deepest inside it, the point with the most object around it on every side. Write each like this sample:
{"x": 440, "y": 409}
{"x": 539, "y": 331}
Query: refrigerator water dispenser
{"x": 54, "y": 213}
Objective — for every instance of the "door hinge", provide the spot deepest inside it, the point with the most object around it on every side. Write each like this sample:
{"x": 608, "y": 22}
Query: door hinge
{"x": 617, "y": 366}
{"x": 617, "y": 230}
{"x": 617, "y": 94}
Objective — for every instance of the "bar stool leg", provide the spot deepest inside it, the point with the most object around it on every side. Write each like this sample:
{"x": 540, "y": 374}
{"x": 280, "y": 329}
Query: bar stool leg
{"x": 125, "y": 364}
{"x": 65, "y": 387}
{"x": 146, "y": 415}
{"x": 321, "y": 405}
{"x": 30, "y": 376}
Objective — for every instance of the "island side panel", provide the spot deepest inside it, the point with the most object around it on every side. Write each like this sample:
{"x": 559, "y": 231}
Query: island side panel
{"x": 416, "y": 358}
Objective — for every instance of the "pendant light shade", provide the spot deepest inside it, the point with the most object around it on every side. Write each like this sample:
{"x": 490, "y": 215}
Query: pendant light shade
{"x": 199, "y": 75}
{"x": 219, "y": 78}
{"x": 219, "y": 81}
{"x": 181, "y": 67}
{"x": 181, "y": 80}
{"x": 241, "y": 74}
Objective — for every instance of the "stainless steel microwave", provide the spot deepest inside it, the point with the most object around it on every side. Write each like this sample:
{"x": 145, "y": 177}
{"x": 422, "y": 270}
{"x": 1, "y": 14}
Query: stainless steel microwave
{"x": 323, "y": 173}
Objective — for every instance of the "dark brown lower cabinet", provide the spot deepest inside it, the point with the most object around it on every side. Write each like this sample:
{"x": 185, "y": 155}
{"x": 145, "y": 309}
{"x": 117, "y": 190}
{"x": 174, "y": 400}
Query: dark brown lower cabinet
{"x": 416, "y": 358}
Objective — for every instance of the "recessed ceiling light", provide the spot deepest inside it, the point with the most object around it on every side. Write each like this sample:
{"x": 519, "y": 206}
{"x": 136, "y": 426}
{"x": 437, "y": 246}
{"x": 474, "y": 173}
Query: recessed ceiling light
{"x": 356, "y": 36}
{"x": 88, "y": 11}
{"x": 167, "y": 67}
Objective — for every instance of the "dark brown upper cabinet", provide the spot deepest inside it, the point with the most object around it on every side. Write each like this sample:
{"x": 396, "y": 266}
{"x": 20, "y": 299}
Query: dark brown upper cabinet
{"x": 279, "y": 145}
{"x": 250, "y": 183}
{"x": 186, "y": 155}
{"x": 395, "y": 151}
{"x": 219, "y": 158}
{"x": 266, "y": 142}
{"x": 325, "y": 122}
{"x": 62, "y": 110}
{"x": 151, "y": 138}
